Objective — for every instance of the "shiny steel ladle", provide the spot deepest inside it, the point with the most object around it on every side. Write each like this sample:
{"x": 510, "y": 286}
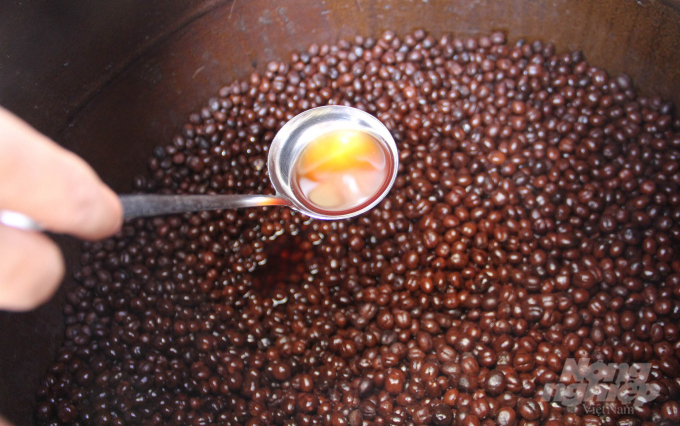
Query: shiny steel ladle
{"x": 287, "y": 145}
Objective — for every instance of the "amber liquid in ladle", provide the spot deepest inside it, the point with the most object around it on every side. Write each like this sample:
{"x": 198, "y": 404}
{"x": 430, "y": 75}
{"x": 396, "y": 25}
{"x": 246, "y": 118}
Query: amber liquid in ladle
{"x": 341, "y": 171}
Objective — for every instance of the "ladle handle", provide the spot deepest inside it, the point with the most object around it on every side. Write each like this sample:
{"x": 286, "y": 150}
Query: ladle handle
{"x": 156, "y": 205}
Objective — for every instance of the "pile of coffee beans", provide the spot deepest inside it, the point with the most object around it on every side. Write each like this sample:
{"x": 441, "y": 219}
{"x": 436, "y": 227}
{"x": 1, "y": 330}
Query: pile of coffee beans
{"x": 534, "y": 221}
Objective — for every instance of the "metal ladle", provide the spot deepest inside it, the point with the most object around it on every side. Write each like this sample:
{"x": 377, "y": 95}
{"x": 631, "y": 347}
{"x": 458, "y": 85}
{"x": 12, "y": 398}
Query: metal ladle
{"x": 285, "y": 149}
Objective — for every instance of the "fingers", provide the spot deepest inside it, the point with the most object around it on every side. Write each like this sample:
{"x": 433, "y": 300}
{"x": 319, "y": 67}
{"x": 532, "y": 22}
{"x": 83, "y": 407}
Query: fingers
{"x": 31, "y": 268}
{"x": 52, "y": 185}
{"x": 62, "y": 193}
{"x": 4, "y": 422}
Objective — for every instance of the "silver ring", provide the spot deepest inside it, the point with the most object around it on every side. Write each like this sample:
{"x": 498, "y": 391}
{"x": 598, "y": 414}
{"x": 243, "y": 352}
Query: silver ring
{"x": 19, "y": 221}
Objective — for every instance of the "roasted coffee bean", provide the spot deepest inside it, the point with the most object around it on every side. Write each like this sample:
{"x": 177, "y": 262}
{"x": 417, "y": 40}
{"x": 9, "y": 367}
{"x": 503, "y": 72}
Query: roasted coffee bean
{"x": 533, "y": 222}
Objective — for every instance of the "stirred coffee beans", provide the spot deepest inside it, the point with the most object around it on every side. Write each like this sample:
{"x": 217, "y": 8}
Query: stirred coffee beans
{"x": 534, "y": 222}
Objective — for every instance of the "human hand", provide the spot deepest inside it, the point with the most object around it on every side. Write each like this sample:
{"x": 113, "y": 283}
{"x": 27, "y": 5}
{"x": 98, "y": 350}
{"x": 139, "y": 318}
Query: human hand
{"x": 58, "y": 190}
